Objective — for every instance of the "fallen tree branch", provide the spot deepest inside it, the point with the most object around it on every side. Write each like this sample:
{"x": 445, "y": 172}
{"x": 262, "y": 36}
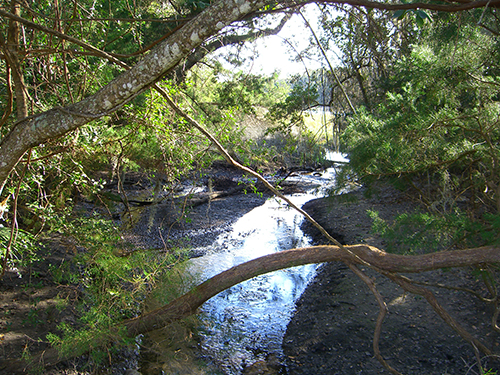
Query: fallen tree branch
{"x": 188, "y": 304}
{"x": 389, "y": 263}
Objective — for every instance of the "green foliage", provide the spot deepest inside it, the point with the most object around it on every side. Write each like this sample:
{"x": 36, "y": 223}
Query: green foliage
{"x": 246, "y": 91}
{"x": 418, "y": 233}
{"x": 196, "y": 6}
{"x": 290, "y": 149}
{"x": 489, "y": 371}
{"x": 23, "y": 247}
{"x": 226, "y": 100}
{"x": 421, "y": 16}
{"x": 115, "y": 282}
{"x": 289, "y": 112}
{"x": 370, "y": 42}
{"x": 437, "y": 127}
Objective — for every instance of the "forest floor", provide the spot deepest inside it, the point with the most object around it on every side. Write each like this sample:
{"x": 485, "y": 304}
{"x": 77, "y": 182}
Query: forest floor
{"x": 332, "y": 328}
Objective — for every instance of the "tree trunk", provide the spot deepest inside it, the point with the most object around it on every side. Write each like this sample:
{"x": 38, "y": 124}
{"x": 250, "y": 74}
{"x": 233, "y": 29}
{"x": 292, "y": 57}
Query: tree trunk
{"x": 58, "y": 121}
{"x": 13, "y": 60}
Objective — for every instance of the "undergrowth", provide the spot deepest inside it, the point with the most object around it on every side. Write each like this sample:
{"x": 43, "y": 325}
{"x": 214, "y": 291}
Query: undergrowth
{"x": 114, "y": 282}
{"x": 23, "y": 244}
{"x": 425, "y": 232}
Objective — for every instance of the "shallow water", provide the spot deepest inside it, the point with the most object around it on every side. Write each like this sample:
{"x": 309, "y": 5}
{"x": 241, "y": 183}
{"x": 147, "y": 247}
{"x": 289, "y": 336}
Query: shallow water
{"x": 247, "y": 322}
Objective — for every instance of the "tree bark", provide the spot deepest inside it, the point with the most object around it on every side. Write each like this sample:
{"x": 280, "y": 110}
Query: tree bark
{"x": 180, "y": 72}
{"x": 36, "y": 130}
{"x": 189, "y": 303}
{"x": 12, "y": 56}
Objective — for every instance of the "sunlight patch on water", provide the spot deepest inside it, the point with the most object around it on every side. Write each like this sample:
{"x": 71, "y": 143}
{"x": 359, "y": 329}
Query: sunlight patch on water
{"x": 266, "y": 229}
{"x": 336, "y": 156}
{"x": 247, "y": 322}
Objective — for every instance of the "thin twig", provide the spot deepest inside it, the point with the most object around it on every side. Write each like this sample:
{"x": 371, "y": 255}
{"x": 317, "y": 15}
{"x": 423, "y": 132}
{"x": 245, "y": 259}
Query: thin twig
{"x": 459, "y": 289}
{"x": 328, "y": 62}
{"x": 380, "y": 318}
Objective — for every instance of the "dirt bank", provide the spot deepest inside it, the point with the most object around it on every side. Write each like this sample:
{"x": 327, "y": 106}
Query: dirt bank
{"x": 332, "y": 329}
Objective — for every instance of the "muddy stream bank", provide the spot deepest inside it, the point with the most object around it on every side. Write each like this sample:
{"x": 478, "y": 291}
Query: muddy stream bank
{"x": 309, "y": 325}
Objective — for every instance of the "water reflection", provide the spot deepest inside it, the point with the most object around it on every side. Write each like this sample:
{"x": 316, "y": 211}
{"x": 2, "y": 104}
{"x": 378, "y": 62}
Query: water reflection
{"x": 247, "y": 322}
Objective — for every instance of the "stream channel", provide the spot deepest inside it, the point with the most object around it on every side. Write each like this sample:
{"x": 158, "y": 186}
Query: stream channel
{"x": 244, "y": 326}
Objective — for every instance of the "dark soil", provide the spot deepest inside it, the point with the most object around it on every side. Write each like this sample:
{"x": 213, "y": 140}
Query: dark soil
{"x": 332, "y": 329}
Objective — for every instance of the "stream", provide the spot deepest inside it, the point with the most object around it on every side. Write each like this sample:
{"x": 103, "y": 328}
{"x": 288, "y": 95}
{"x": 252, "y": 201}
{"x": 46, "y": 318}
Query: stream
{"x": 243, "y": 327}
{"x": 246, "y": 323}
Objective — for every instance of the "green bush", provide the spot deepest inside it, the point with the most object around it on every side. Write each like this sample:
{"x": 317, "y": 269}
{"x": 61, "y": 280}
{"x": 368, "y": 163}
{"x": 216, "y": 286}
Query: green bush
{"x": 437, "y": 130}
{"x": 424, "y": 232}
{"x": 23, "y": 247}
{"x": 115, "y": 281}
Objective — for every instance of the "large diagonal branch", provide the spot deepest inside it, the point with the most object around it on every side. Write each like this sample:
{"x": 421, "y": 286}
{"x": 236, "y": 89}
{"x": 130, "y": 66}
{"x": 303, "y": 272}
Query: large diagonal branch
{"x": 189, "y": 303}
{"x": 165, "y": 56}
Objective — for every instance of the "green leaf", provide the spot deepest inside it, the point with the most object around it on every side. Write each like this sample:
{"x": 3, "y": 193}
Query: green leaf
{"x": 424, "y": 15}
{"x": 419, "y": 20}
{"x": 399, "y": 14}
